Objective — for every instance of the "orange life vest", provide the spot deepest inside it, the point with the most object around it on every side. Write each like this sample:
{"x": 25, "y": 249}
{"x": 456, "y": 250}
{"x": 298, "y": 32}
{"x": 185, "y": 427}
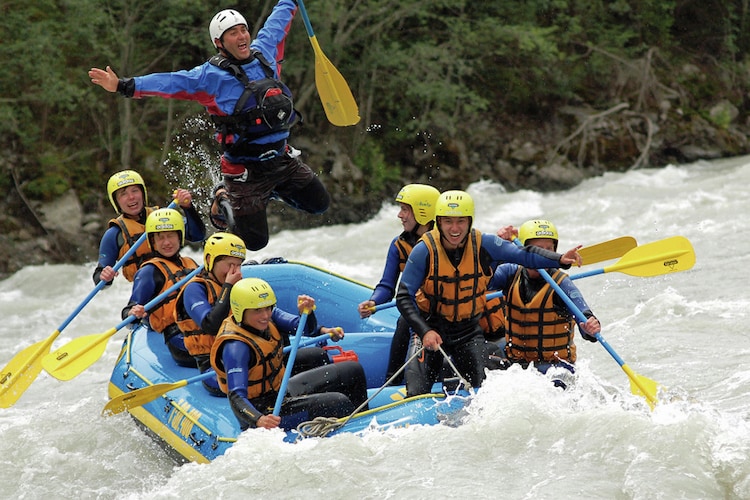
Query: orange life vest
{"x": 266, "y": 374}
{"x": 197, "y": 342}
{"x": 536, "y": 331}
{"x": 453, "y": 293}
{"x": 163, "y": 315}
{"x": 404, "y": 249}
{"x": 130, "y": 231}
{"x": 492, "y": 320}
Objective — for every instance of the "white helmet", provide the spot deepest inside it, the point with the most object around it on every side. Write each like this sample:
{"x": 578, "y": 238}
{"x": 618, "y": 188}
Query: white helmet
{"x": 223, "y": 21}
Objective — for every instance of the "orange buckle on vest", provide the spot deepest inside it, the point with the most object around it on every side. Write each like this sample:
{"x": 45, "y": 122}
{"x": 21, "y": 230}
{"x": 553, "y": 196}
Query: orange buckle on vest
{"x": 342, "y": 355}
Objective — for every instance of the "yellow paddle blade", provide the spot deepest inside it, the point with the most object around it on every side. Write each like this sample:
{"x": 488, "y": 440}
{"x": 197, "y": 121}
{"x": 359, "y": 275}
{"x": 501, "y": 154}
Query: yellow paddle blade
{"x": 74, "y": 357}
{"x": 22, "y": 370}
{"x": 139, "y": 397}
{"x": 666, "y": 256}
{"x": 607, "y": 250}
{"x": 642, "y": 386}
{"x": 338, "y": 102}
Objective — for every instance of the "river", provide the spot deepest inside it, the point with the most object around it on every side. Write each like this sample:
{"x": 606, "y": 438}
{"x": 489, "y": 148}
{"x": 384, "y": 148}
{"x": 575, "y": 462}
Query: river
{"x": 522, "y": 438}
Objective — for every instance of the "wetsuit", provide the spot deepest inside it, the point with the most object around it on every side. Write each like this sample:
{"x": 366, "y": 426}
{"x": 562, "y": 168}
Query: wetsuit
{"x": 540, "y": 327}
{"x": 257, "y": 164}
{"x": 249, "y": 365}
{"x": 115, "y": 243}
{"x": 385, "y": 290}
{"x": 153, "y": 278}
{"x": 455, "y": 315}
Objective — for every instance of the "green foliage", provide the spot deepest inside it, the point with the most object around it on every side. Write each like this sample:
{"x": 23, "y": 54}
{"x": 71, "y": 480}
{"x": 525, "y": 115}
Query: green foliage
{"x": 371, "y": 160}
{"x": 52, "y": 181}
{"x": 418, "y": 68}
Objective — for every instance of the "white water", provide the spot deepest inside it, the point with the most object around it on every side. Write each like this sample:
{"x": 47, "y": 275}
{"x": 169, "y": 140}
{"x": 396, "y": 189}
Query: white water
{"x": 522, "y": 438}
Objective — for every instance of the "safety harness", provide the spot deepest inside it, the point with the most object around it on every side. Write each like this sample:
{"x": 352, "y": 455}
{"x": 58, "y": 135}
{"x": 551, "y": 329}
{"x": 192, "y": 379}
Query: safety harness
{"x": 273, "y": 111}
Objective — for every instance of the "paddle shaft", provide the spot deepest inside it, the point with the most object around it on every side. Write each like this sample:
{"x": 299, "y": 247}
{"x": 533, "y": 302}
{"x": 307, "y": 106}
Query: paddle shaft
{"x": 151, "y": 304}
{"x": 23, "y": 369}
{"x": 582, "y": 319}
{"x": 56, "y": 362}
{"x": 592, "y": 254}
{"x": 290, "y": 362}
{"x": 210, "y": 373}
{"x": 102, "y": 283}
{"x": 305, "y": 18}
{"x": 147, "y": 394}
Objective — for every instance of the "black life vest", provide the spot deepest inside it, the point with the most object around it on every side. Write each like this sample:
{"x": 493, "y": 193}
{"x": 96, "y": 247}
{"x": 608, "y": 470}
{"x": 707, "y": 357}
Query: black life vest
{"x": 264, "y": 107}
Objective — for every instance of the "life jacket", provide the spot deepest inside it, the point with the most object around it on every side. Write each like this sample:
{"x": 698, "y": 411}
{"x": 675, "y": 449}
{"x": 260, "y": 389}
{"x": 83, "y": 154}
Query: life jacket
{"x": 404, "y": 247}
{"x": 266, "y": 374}
{"x": 537, "y": 331}
{"x": 492, "y": 320}
{"x": 163, "y": 315}
{"x": 196, "y": 341}
{"x": 130, "y": 231}
{"x": 265, "y": 107}
{"x": 453, "y": 293}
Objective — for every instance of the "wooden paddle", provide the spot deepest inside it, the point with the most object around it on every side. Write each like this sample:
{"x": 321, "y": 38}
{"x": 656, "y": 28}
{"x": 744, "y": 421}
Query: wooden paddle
{"x": 338, "y": 102}
{"x": 665, "y": 256}
{"x": 591, "y": 254}
{"x": 290, "y": 362}
{"x": 144, "y": 395}
{"x": 25, "y": 366}
{"x": 639, "y": 385}
{"x": 74, "y": 357}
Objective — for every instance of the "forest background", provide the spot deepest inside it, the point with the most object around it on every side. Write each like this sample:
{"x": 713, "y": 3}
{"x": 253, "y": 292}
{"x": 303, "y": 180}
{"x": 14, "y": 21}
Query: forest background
{"x": 532, "y": 94}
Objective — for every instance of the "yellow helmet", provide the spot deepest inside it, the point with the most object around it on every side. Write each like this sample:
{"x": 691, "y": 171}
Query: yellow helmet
{"x": 537, "y": 228}
{"x": 222, "y": 244}
{"x": 124, "y": 179}
{"x": 421, "y": 198}
{"x": 163, "y": 220}
{"x": 454, "y": 204}
{"x": 250, "y": 293}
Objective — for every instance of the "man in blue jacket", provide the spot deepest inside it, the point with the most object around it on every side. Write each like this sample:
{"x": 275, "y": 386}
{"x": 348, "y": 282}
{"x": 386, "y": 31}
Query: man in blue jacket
{"x": 252, "y": 110}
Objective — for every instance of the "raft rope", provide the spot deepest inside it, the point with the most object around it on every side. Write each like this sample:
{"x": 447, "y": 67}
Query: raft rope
{"x": 323, "y": 426}
{"x": 461, "y": 378}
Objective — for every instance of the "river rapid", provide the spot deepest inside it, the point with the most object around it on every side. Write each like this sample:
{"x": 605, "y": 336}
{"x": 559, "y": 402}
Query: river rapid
{"x": 521, "y": 437}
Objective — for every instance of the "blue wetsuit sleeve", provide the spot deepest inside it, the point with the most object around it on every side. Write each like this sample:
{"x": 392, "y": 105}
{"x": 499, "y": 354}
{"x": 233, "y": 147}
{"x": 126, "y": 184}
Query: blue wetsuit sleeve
{"x": 271, "y": 36}
{"x": 501, "y": 250}
{"x": 144, "y": 288}
{"x": 572, "y": 291}
{"x": 236, "y": 357}
{"x": 502, "y": 276}
{"x": 287, "y": 323}
{"x": 208, "y": 317}
{"x": 386, "y": 287}
{"x": 412, "y": 278}
{"x": 195, "y": 228}
{"x": 108, "y": 252}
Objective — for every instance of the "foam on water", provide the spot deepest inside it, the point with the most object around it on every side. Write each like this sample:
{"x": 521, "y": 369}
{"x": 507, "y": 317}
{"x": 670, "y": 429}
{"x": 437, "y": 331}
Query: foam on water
{"x": 520, "y": 437}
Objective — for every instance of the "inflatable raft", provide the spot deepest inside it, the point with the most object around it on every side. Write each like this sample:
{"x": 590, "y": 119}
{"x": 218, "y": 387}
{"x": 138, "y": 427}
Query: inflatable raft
{"x": 193, "y": 425}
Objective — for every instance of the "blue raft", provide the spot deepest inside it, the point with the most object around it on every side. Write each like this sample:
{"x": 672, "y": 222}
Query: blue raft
{"x": 194, "y": 426}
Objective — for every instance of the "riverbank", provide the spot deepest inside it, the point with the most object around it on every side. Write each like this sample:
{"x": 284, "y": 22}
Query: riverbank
{"x": 558, "y": 154}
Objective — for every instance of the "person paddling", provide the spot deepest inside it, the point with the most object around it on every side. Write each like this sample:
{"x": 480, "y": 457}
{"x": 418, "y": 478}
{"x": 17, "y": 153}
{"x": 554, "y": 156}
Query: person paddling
{"x": 417, "y": 215}
{"x": 539, "y": 328}
{"x": 253, "y": 112}
{"x": 128, "y": 195}
{"x": 166, "y": 236}
{"x": 443, "y": 286}
{"x": 249, "y": 361}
